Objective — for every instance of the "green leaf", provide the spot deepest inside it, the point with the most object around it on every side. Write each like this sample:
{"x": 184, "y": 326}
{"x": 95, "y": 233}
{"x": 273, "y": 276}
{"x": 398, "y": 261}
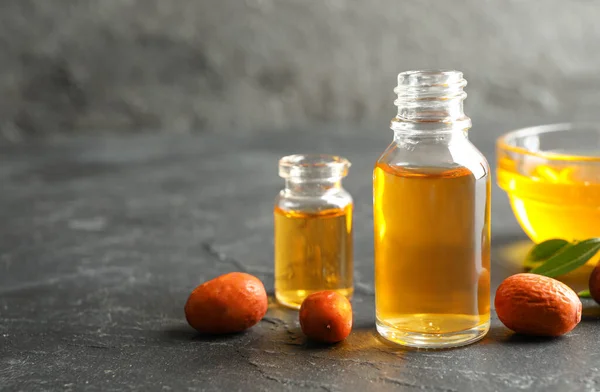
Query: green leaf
{"x": 584, "y": 294}
{"x": 569, "y": 259}
{"x": 544, "y": 250}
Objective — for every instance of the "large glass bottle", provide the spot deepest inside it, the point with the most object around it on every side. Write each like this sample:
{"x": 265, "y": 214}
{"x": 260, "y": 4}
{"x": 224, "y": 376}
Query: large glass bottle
{"x": 313, "y": 229}
{"x": 431, "y": 196}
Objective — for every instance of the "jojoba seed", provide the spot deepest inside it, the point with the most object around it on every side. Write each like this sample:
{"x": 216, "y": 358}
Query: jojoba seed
{"x": 326, "y": 316}
{"x": 537, "y": 305}
{"x": 229, "y": 303}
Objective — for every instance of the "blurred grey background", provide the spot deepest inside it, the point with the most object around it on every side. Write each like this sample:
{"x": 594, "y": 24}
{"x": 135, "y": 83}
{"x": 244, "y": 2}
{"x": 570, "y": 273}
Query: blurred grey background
{"x": 244, "y": 65}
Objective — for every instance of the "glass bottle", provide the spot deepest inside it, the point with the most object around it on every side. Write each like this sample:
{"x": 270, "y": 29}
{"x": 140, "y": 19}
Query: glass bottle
{"x": 313, "y": 229}
{"x": 431, "y": 199}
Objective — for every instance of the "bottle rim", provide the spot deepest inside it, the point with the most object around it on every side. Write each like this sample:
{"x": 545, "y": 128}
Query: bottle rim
{"x": 313, "y": 166}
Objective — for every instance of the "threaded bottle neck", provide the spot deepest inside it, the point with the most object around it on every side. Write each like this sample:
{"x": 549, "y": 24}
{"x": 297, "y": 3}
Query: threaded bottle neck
{"x": 430, "y": 101}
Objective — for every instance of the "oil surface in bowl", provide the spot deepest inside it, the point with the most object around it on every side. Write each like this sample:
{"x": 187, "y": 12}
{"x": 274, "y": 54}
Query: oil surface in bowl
{"x": 553, "y": 200}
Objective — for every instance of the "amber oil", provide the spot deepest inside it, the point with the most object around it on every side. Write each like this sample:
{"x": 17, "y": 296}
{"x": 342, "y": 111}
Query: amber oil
{"x": 313, "y": 253}
{"x": 432, "y": 267}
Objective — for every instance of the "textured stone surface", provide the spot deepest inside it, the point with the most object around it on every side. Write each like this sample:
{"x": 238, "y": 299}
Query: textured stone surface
{"x": 101, "y": 241}
{"x": 183, "y": 66}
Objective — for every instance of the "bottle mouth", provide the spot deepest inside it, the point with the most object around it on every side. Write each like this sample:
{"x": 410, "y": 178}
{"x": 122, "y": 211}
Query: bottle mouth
{"x": 307, "y": 167}
{"x": 429, "y": 84}
{"x": 429, "y": 74}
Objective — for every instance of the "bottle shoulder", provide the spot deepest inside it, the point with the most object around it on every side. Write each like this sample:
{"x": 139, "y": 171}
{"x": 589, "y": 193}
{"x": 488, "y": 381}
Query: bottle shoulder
{"x": 459, "y": 152}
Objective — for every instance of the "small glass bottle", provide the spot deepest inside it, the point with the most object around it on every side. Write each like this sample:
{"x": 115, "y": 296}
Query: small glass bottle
{"x": 431, "y": 199}
{"x": 313, "y": 229}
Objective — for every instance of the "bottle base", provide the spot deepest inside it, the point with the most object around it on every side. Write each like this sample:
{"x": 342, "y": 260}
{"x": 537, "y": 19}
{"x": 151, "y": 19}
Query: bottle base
{"x": 293, "y": 298}
{"x": 432, "y": 340}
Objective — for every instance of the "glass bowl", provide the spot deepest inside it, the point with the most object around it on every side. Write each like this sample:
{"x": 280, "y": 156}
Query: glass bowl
{"x": 551, "y": 174}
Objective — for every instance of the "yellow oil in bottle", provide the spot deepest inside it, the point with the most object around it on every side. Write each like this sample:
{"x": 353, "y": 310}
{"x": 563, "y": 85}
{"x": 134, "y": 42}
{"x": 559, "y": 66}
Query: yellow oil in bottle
{"x": 313, "y": 252}
{"x": 559, "y": 200}
{"x": 432, "y": 254}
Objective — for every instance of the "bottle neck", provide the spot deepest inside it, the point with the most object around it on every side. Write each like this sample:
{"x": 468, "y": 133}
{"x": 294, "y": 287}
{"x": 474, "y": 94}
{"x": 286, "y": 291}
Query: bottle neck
{"x": 430, "y": 136}
{"x": 430, "y": 103}
{"x": 313, "y": 187}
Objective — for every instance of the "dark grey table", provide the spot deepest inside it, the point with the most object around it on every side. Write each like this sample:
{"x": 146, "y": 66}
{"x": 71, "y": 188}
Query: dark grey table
{"x": 102, "y": 239}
